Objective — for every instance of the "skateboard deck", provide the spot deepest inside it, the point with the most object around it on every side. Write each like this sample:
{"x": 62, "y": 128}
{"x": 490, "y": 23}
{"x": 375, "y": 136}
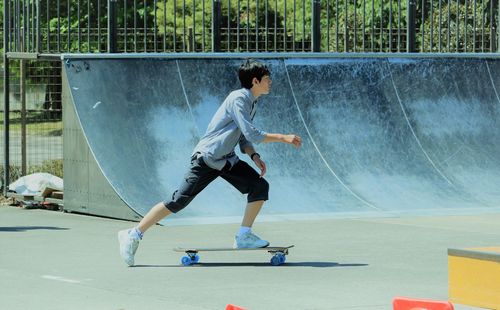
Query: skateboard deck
{"x": 192, "y": 257}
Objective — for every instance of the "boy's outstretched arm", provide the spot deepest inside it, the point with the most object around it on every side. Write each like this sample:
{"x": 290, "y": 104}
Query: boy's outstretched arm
{"x": 270, "y": 137}
{"x": 278, "y": 137}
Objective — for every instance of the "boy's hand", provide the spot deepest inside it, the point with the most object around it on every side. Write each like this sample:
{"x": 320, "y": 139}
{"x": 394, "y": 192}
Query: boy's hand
{"x": 293, "y": 139}
{"x": 260, "y": 164}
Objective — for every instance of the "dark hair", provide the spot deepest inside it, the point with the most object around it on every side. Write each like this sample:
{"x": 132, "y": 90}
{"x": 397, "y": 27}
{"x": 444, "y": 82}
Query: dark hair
{"x": 251, "y": 69}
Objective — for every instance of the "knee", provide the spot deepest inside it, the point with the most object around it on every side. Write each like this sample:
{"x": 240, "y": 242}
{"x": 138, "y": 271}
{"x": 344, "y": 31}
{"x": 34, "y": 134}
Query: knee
{"x": 260, "y": 191}
{"x": 173, "y": 206}
{"x": 263, "y": 186}
{"x": 178, "y": 202}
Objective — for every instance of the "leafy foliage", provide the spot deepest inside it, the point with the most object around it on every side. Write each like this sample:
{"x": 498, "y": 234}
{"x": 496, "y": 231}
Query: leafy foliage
{"x": 346, "y": 25}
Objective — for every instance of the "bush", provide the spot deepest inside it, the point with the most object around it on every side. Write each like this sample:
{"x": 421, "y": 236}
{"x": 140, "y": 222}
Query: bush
{"x": 54, "y": 167}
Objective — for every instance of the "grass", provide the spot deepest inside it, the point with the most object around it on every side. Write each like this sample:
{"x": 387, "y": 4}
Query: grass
{"x": 37, "y": 124}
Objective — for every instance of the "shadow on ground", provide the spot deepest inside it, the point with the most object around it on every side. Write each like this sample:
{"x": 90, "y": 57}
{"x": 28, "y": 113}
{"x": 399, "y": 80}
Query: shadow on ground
{"x": 27, "y": 228}
{"x": 294, "y": 264}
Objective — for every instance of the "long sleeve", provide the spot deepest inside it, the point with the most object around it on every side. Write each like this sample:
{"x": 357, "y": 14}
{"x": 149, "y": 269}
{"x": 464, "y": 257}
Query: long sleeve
{"x": 240, "y": 113}
{"x": 244, "y": 143}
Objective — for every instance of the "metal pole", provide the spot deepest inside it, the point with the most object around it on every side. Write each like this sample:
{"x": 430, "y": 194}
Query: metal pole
{"x": 316, "y": 25}
{"x": 112, "y": 26}
{"x": 22, "y": 90}
{"x": 23, "y": 118}
{"x": 190, "y": 42}
{"x": 38, "y": 27}
{"x": 6, "y": 32}
{"x": 410, "y": 31}
{"x": 498, "y": 27}
{"x": 216, "y": 17}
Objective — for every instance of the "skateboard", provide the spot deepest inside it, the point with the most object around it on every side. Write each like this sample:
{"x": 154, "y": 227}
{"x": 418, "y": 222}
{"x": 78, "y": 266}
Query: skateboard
{"x": 278, "y": 253}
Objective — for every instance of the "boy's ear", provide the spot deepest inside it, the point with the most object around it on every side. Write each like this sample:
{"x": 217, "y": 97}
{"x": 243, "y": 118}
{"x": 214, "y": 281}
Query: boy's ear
{"x": 254, "y": 81}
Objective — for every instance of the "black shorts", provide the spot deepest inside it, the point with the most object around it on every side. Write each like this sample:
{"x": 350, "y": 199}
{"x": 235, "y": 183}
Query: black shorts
{"x": 243, "y": 177}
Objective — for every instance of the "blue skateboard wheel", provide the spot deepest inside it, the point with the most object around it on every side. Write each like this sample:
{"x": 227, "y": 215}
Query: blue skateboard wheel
{"x": 186, "y": 260}
{"x": 276, "y": 260}
{"x": 282, "y": 258}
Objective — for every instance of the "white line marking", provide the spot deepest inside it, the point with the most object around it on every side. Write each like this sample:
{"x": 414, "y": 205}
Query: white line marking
{"x": 491, "y": 80}
{"x": 96, "y": 104}
{"x": 317, "y": 148}
{"x": 400, "y": 101}
{"x": 186, "y": 96}
{"x": 61, "y": 279}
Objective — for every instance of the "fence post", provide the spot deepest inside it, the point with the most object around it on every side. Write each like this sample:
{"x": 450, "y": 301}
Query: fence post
{"x": 316, "y": 25}
{"x": 191, "y": 42}
{"x": 38, "y": 28}
{"x": 6, "y": 91}
{"x": 410, "y": 31}
{"x": 111, "y": 26}
{"x": 22, "y": 90}
{"x": 498, "y": 27}
{"x": 216, "y": 18}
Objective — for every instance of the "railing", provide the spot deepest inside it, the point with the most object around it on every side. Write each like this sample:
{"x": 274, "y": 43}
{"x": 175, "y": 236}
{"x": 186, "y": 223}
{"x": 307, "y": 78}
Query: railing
{"x": 32, "y": 88}
{"x": 55, "y": 26}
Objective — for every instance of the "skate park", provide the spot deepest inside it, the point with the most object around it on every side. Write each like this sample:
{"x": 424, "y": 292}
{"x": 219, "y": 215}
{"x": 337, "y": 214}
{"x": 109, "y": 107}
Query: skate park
{"x": 389, "y": 178}
{"x": 392, "y": 202}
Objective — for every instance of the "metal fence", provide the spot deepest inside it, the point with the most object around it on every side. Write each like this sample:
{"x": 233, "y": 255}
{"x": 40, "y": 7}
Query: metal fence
{"x": 35, "y": 119}
{"x": 50, "y": 27}
{"x": 34, "y": 116}
{"x": 55, "y": 26}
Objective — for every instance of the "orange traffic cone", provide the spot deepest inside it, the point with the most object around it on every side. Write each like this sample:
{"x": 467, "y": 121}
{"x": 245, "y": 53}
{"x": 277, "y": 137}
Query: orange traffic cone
{"x": 233, "y": 307}
{"x": 404, "y": 303}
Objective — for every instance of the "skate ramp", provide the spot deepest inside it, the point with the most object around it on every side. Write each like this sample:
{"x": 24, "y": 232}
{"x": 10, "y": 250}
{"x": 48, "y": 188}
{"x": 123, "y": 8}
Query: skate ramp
{"x": 381, "y": 136}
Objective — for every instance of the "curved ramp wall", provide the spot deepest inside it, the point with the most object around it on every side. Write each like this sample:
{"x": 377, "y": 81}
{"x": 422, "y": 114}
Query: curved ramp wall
{"x": 381, "y": 135}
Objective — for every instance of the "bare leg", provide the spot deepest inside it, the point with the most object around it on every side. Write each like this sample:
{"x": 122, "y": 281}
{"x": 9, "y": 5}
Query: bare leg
{"x": 251, "y": 212}
{"x": 156, "y": 214}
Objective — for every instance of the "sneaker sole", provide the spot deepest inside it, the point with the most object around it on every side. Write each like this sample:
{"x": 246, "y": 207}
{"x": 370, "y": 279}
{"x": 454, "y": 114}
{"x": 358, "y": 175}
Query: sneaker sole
{"x": 260, "y": 247}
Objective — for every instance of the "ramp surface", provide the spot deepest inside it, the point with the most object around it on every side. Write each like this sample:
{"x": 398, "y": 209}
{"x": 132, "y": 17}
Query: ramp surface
{"x": 380, "y": 135}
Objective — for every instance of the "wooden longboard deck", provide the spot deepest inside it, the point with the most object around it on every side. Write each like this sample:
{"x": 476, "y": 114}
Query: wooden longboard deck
{"x": 269, "y": 249}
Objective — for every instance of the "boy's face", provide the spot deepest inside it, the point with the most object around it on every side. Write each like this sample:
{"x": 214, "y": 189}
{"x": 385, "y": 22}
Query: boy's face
{"x": 263, "y": 87}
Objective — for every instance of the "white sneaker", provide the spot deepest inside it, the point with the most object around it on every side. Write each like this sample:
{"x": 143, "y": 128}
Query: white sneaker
{"x": 249, "y": 241}
{"x": 128, "y": 246}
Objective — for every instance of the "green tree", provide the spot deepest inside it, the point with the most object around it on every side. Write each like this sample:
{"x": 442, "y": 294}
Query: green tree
{"x": 375, "y": 25}
{"x": 463, "y": 26}
{"x": 346, "y": 25}
{"x": 239, "y": 20}
{"x": 176, "y": 17}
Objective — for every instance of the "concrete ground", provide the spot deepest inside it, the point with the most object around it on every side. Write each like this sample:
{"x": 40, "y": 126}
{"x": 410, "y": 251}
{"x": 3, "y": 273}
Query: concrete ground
{"x": 53, "y": 260}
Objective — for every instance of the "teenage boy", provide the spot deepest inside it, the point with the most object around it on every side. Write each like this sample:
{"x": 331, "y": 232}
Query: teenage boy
{"x": 214, "y": 157}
